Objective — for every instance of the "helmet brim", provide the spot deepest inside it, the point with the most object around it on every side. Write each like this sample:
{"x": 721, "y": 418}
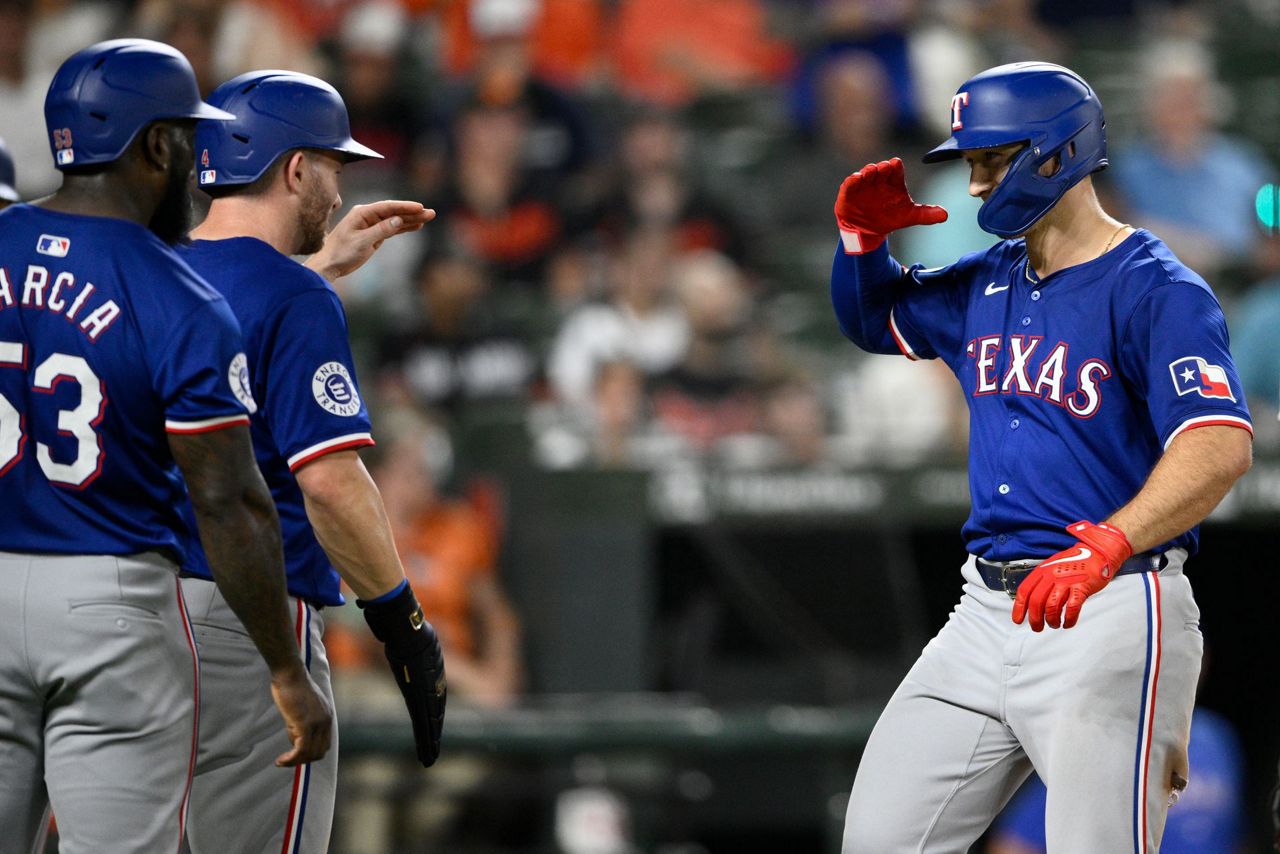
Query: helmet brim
{"x": 208, "y": 112}
{"x": 952, "y": 149}
{"x": 355, "y": 151}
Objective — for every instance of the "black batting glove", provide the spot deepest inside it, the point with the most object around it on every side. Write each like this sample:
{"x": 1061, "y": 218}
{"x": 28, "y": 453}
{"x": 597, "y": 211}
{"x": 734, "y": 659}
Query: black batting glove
{"x": 413, "y": 651}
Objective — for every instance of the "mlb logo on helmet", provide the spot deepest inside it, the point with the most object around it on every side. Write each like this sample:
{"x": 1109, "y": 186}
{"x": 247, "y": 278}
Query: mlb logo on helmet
{"x": 66, "y": 156}
{"x": 50, "y": 244}
{"x": 1192, "y": 373}
{"x": 208, "y": 176}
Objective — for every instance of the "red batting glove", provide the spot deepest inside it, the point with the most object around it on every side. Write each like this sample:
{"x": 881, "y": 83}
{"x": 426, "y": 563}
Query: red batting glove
{"x": 1072, "y": 575}
{"x": 873, "y": 202}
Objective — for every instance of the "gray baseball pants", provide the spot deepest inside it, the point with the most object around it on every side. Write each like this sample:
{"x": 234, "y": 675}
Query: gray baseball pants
{"x": 240, "y": 800}
{"x": 1102, "y": 711}
{"x": 98, "y": 689}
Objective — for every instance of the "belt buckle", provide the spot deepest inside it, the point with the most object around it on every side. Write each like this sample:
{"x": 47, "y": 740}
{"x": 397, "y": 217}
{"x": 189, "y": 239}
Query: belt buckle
{"x": 1005, "y": 581}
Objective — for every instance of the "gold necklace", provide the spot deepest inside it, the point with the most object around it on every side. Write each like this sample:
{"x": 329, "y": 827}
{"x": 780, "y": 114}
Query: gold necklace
{"x": 1114, "y": 235}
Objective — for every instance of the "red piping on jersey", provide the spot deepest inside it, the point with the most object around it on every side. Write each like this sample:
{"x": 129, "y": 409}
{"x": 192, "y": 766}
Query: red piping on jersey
{"x": 195, "y": 724}
{"x": 297, "y": 772}
{"x": 342, "y": 446}
{"x": 209, "y": 428}
{"x": 900, "y": 341}
{"x": 1187, "y": 427}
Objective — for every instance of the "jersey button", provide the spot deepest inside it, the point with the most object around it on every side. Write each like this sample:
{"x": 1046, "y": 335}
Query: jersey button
{"x": 1035, "y": 295}
{"x": 1026, "y": 321}
{"x": 1014, "y": 424}
{"x": 1003, "y": 489}
{"x": 1002, "y": 538}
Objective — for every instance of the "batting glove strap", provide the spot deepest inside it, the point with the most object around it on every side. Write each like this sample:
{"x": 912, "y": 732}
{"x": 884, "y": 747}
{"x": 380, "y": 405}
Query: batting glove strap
{"x": 1107, "y": 540}
{"x": 417, "y": 663}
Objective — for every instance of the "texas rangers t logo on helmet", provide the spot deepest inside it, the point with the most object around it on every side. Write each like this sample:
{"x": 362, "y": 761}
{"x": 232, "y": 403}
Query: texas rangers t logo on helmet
{"x": 1192, "y": 373}
{"x": 958, "y": 100}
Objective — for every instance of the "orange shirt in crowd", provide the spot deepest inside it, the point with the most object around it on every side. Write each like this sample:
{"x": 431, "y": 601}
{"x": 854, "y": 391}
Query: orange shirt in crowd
{"x": 666, "y": 48}
{"x": 565, "y": 41}
{"x": 444, "y": 552}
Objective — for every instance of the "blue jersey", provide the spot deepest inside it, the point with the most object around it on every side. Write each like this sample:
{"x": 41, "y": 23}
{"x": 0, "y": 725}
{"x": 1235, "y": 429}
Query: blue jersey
{"x": 1075, "y": 383}
{"x": 1208, "y": 818}
{"x": 107, "y": 341}
{"x": 295, "y": 335}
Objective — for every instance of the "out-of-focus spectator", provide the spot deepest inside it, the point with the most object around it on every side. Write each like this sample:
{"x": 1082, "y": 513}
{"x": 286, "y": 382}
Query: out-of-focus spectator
{"x": 1207, "y": 819}
{"x": 450, "y": 552}
{"x": 878, "y": 30}
{"x": 228, "y": 38}
{"x": 557, "y": 146}
{"x": 22, "y": 91}
{"x": 711, "y": 394}
{"x": 672, "y": 51}
{"x": 1188, "y": 183}
{"x": 876, "y": 421}
{"x": 1255, "y": 345}
{"x": 493, "y": 209}
{"x": 380, "y": 85}
{"x": 854, "y": 128}
{"x": 8, "y": 179}
{"x": 457, "y": 355}
{"x": 566, "y": 37}
{"x": 640, "y": 323}
{"x": 657, "y": 186}
{"x": 611, "y": 431}
{"x": 795, "y": 421}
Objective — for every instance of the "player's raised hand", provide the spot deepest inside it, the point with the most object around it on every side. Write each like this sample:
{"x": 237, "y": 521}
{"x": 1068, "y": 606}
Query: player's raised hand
{"x": 307, "y": 716}
{"x": 362, "y": 231}
{"x": 874, "y": 201}
{"x": 1055, "y": 590}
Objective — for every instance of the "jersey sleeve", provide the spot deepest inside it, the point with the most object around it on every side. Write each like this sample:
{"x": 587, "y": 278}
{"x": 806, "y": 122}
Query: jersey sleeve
{"x": 1174, "y": 352}
{"x": 886, "y": 308}
{"x": 308, "y": 392}
{"x": 202, "y": 375}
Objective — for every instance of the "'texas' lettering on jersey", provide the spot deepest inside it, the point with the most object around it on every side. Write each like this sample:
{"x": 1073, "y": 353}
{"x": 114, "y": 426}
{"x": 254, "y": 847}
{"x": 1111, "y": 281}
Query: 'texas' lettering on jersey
{"x": 1037, "y": 370}
{"x": 58, "y": 293}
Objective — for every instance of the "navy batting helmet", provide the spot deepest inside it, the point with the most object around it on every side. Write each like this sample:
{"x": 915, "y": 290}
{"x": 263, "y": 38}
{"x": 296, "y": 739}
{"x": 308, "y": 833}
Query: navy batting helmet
{"x": 1045, "y": 106}
{"x": 8, "y": 178}
{"x": 276, "y": 111}
{"x": 102, "y": 96}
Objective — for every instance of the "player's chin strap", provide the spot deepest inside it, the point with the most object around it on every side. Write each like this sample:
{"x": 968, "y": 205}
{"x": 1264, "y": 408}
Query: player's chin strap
{"x": 413, "y": 651}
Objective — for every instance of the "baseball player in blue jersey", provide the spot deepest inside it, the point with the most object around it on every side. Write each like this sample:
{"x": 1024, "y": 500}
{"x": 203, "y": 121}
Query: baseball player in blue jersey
{"x": 1106, "y": 421}
{"x": 273, "y": 175}
{"x": 121, "y": 373}
{"x": 8, "y": 177}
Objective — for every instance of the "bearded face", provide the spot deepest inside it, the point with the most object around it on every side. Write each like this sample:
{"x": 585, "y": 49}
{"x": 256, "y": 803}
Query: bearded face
{"x": 174, "y": 215}
{"x": 318, "y": 202}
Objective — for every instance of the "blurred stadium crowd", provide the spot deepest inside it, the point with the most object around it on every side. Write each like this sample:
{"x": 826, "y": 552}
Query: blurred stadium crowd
{"x": 634, "y": 195}
{"x": 629, "y": 265}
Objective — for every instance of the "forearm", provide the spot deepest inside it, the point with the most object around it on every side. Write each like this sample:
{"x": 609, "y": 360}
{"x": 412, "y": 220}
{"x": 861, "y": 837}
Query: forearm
{"x": 240, "y": 533}
{"x": 863, "y": 289}
{"x": 1191, "y": 478}
{"x": 242, "y": 543}
{"x": 351, "y": 524}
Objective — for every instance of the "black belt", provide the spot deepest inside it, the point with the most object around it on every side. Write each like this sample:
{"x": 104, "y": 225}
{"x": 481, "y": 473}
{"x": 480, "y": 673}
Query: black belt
{"x": 1006, "y": 575}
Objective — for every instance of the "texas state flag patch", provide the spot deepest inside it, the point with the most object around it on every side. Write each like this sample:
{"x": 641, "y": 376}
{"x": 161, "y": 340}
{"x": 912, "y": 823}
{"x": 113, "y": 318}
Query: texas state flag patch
{"x": 1194, "y": 374}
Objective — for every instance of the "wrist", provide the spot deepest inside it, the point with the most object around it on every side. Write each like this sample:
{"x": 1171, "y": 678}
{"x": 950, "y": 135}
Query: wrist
{"x": 857, "y": 242}
{"x": 1108, "y": 540}
{"x": 292, "y": 670}
{"x": 383, "y": 598}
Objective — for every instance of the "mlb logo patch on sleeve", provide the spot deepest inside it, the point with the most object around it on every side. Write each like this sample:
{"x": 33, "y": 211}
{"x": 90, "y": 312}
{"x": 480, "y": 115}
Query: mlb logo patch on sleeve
{"x": 50, "y": 244}
{"x": 1194, "y": 374}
